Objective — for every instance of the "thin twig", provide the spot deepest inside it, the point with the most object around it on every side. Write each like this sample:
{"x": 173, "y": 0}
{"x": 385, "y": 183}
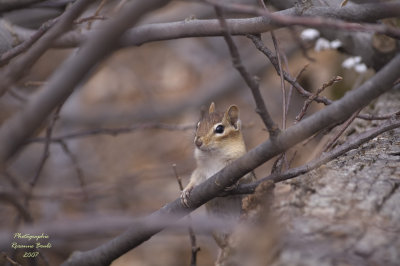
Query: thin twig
{"x": 78, "y": 169}
{"x": 46, "y": 152}
{"x": 278, "y": 55}
{"x": 331, "y": 143}
{"x": 377, "y": 117}
{"x": 261, "y": 109}
{"x": 34, "y": 83}
{"x": 281, "y": 160}
{"x": 18, "y": 96}
{"x": 12, "y": 198}
{"x": 289, "y": 98}
{"x": 314, "y": 96}
{"x": 274, "y": 61}
{"x": 114, "y": 131}
{"x": 195, "y": 248}
{"x": 13, "y": 262}
{"x": 96, "y": 13}
{"x": 7, "y": 56}
{"x": 89, "y": 19}
{"x": 118, "y": 6}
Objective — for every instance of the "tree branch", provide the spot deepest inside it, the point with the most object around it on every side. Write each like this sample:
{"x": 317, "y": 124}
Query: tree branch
{"x": 312, "y": 21}
{"x": 251, "y": 82}
{"x": 206, "y": 28}
{"x": 22, "y": 47}
{"x": 114, "y": 131}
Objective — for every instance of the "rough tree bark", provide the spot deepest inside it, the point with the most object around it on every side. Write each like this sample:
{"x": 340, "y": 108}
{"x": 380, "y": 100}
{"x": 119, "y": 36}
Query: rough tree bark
{"x": 347, "y": 212}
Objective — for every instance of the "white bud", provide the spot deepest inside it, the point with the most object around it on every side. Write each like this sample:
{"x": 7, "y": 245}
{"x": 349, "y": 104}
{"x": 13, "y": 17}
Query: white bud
{"x": 321, "y": 44}
{"x": 309, "y": 34}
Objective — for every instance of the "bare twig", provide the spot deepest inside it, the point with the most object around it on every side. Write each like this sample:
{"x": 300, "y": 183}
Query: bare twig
{"x": 332, "y": 142}
{"x": 377, "y": 117}
{"x": 192, "y": 236}
{"x": 315, "y": 95}
{"x": 12, "y": 198}
{"x": 18, "y": 96}
{"x": 261, "y": 109}
{"x": 13, "y": 262}
{"x": 115, "y": 131}
{"x": 307, "y": 103}
{"x": 281, "y": 160}
{"x": 289, "y": 98}
{"x": 278, "y": 55}
{"x": 46, "y": 152}
{"x": 343, "y": 3}
{"x": 78, "y": 169}
{"x": 7, "y": 56}
{"x": 274, "y": 61}
{"x": 118, "y": 6}
{"x": 89, "y": 19}
{"x": 96, "y": 13}
{"x": 34, "y": 83}
{"x": 45, "y": 156}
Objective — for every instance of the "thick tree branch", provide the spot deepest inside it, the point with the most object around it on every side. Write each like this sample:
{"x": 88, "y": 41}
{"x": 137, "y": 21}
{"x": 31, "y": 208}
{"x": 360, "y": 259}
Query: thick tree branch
{"x": 336, "y": 112}
{"x": 205, "y": 28}
{"x": 311, "y": 21}
{"x": 17, "y": 129}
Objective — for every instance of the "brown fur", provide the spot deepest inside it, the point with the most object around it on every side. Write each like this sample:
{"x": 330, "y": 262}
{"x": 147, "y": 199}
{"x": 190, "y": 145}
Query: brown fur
{"x": 207, "y": 122}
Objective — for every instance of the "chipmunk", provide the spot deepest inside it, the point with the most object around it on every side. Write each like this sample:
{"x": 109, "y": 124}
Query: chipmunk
{"x": 218, "y": 142}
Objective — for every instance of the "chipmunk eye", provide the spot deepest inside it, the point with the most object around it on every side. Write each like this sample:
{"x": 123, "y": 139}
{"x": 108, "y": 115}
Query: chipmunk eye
{"x": 219, "y": 129}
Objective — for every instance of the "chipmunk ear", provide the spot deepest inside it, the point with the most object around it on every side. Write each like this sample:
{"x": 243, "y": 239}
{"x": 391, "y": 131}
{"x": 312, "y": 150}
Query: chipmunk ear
{"x": 232, "y": 116}
{"x": 212, "y": 108}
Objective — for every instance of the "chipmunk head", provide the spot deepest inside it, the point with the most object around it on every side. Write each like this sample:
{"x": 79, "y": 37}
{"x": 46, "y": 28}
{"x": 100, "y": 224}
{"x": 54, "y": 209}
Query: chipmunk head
{"x": 220, "y": 132}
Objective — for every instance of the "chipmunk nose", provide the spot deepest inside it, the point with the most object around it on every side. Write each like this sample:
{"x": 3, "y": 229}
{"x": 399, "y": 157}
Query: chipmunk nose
{"x": 198, "y": 142}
